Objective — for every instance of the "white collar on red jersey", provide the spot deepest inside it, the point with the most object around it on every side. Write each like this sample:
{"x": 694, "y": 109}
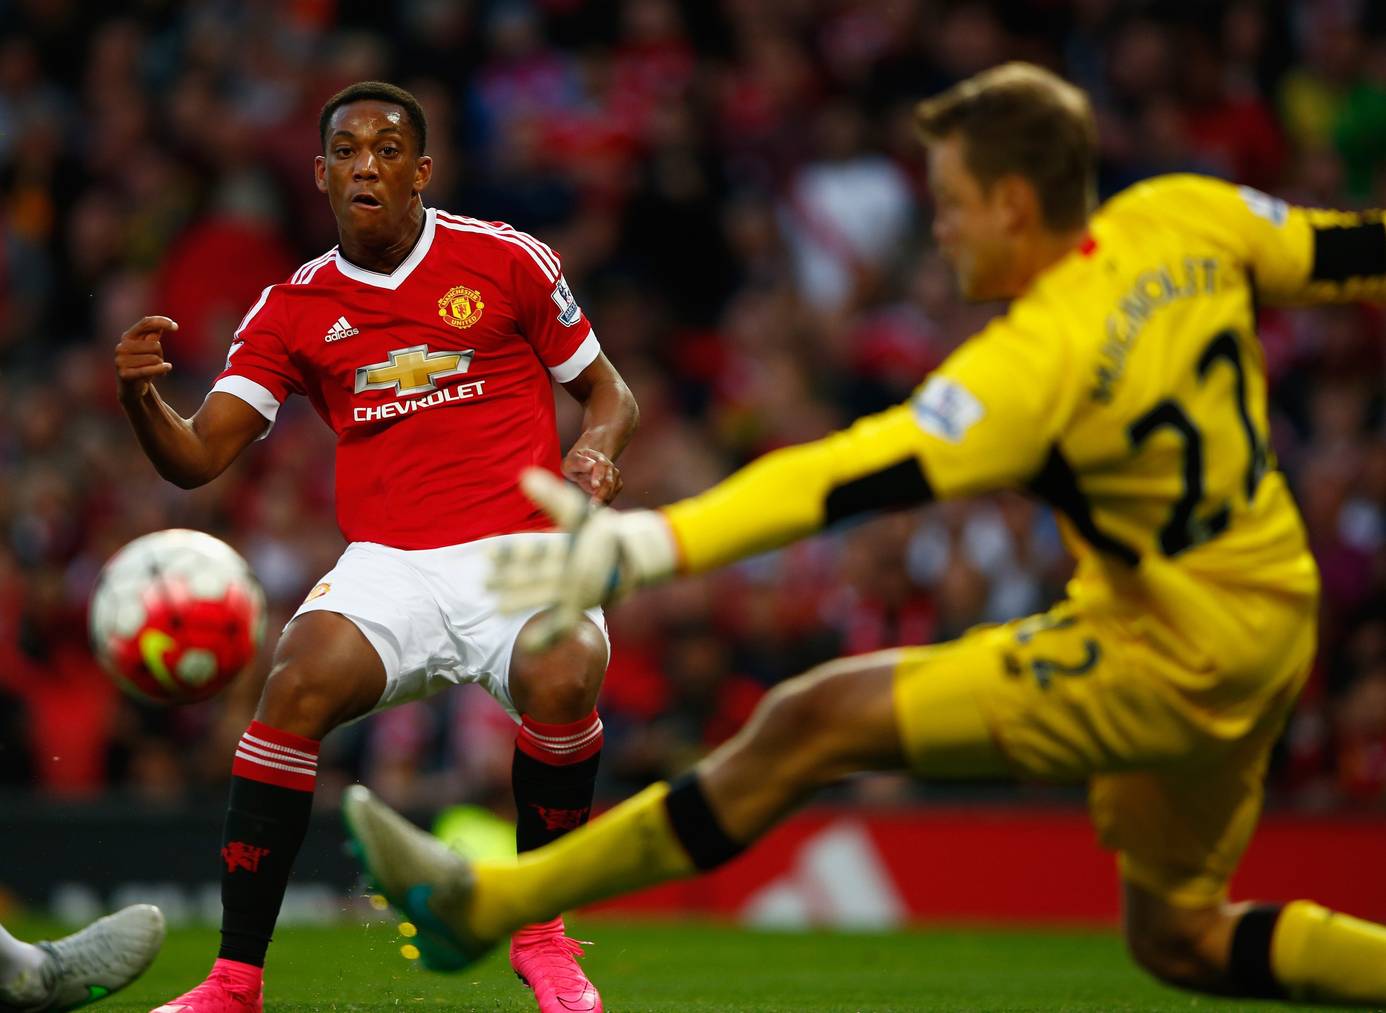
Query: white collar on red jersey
{"x": 395, "y": 278}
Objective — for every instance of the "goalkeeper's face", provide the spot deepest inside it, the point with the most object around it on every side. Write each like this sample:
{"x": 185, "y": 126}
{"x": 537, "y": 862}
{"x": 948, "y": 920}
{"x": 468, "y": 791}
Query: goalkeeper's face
{"x": 975, "y": 226}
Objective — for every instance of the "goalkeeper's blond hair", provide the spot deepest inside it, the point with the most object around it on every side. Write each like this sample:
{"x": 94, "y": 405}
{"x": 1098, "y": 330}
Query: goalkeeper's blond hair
{"x": 1020, "y": 119}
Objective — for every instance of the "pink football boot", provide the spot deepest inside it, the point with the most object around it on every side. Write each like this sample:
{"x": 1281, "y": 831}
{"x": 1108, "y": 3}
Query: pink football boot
{"x": 232, "y": 987}
{"x": 546, "y": 960}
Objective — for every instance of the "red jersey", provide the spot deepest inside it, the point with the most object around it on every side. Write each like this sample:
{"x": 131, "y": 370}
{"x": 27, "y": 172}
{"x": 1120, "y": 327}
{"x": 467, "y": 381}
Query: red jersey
{"x": 434, "y": 377}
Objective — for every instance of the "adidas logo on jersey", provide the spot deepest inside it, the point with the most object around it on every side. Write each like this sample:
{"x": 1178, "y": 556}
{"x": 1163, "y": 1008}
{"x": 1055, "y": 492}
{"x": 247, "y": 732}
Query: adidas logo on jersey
{"x": 341, "y": 329}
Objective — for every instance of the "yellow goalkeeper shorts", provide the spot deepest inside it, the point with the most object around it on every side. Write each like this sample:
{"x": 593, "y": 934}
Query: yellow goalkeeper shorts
{"x": 1174, "y": 757}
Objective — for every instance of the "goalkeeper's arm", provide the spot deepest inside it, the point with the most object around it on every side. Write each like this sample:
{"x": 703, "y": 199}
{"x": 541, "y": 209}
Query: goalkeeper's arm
{"x": 783, "y": 496}
{"x": 791, "y": 493}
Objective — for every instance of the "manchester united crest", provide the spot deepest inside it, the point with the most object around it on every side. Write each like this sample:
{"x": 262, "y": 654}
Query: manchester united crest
{"x": 461, "y": 307}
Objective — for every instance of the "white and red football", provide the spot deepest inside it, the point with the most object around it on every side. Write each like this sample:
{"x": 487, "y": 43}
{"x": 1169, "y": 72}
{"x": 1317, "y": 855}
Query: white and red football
{"x": 176, "y": 615}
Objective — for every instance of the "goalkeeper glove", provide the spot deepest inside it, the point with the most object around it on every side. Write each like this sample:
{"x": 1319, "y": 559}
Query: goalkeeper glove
{"x": 609, "y": 553}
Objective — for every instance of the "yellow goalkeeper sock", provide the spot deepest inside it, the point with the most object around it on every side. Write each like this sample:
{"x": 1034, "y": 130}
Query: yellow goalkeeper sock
{"x": 1318, "y": 954}
{"x": 665, "y": 832}
{"x": 631, "y": 846}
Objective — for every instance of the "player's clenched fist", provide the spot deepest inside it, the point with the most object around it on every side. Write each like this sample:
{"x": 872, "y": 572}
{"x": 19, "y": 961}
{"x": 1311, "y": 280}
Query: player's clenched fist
{"x": 139, "y": 358}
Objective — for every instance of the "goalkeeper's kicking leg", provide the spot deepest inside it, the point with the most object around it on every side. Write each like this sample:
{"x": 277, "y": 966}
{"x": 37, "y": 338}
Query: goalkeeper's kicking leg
{"x": 806, "y": 733}
{"x": 843, "y": 718}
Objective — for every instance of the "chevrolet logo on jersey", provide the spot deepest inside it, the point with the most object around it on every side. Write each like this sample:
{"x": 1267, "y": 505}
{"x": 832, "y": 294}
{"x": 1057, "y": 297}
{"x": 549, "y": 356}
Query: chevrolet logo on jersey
{"x": 412, "y": 370}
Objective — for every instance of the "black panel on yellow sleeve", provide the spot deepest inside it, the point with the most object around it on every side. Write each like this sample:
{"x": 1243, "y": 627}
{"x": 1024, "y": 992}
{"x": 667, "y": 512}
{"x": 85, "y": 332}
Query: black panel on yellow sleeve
{"x": 1057, "y": 485}
{"x": 1349, "y": 251}
{"x": 900, "y": 485}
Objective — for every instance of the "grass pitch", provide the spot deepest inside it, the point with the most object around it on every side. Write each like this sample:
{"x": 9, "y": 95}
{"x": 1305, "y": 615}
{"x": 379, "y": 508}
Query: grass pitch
{"x": 695, "y": 968}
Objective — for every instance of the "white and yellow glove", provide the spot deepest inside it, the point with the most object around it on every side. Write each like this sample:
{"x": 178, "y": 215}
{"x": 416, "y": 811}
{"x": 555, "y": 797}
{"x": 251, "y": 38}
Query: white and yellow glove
{"x": 609, "y": 553}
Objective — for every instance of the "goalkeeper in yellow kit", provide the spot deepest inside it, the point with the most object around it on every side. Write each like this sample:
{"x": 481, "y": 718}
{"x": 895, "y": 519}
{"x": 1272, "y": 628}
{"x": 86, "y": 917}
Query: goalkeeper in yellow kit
{"x": 1126, "y": 387}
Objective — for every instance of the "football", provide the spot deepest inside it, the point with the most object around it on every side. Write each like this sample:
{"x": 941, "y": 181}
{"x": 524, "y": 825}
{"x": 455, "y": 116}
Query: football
{"x": 176, "y": 615}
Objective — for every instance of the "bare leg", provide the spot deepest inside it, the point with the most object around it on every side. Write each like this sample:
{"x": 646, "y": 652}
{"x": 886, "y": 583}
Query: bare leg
{"x": 835, "y": 720}
{"x": 1298, "y": 950}
{"x": 1185, "y": 946}
{"x": 325, "y": 673}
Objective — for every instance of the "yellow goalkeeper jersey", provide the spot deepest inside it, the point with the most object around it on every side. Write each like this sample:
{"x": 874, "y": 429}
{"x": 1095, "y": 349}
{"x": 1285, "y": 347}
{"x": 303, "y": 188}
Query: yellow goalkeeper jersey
{"x": 1127, "y": 388}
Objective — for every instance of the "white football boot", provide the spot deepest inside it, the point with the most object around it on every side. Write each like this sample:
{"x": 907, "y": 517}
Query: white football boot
{"x": 89, "y": 965}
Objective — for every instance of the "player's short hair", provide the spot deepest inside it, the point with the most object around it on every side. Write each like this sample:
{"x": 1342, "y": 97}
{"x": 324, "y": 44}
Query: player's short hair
{"x": 377, "y": 91}
{"x": 1021, "y": 119}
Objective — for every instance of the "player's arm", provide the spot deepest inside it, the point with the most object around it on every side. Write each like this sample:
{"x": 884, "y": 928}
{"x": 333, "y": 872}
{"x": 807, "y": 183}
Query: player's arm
{"x": 609, "y": 417}
{"x": 563, "y": 338}
{"x": 1296, "y": 255}
{"x": 187, "y": 452}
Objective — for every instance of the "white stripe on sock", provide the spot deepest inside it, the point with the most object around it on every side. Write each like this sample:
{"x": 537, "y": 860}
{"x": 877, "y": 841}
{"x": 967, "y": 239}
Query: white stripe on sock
{"x": 276, "y": 747}
{"x": 304, "y": 765}
{"x": 242, "y": 755}
{"x": 560, "y": 739}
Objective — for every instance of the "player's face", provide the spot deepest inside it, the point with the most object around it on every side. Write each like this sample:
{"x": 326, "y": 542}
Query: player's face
{"x": 972, "y": 225}
{"x": 372, "y": 172}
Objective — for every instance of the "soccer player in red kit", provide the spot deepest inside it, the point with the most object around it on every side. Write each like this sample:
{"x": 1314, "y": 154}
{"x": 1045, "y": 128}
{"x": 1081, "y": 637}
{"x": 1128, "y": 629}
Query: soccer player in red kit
{"x": 427, "y": 341}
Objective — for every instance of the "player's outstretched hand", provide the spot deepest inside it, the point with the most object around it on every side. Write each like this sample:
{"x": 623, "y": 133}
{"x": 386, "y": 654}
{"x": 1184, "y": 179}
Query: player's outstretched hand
{"x": 139, "y": 358}
{"x": 593, "y": 472}
{"x": 610, "y": 553}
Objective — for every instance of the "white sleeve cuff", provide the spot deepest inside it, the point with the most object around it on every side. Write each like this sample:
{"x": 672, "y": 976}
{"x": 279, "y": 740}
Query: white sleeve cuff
{"x": 585, "y": 355}
{"x": 253, "y": 394}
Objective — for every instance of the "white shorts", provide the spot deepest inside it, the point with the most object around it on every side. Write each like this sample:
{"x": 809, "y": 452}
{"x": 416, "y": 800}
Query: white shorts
{"x": 429, "y": 616}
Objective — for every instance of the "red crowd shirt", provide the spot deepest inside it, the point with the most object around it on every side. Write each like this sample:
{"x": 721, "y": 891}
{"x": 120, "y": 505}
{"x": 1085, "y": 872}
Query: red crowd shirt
{"x": 434, "y": 377}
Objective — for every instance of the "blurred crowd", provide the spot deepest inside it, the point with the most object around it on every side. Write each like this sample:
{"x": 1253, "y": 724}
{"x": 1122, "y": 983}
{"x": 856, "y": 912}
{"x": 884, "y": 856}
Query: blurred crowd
{"x": 738, "y": 195}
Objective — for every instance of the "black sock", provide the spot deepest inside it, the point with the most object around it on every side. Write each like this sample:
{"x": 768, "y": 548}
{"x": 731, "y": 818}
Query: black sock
{"x": 266, "y": 820}
{"x": 1249, "y": 963}
{"x": 553, "y": 776}
{"x": 696, "y": 825}
{"x": 550, "y": 799}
